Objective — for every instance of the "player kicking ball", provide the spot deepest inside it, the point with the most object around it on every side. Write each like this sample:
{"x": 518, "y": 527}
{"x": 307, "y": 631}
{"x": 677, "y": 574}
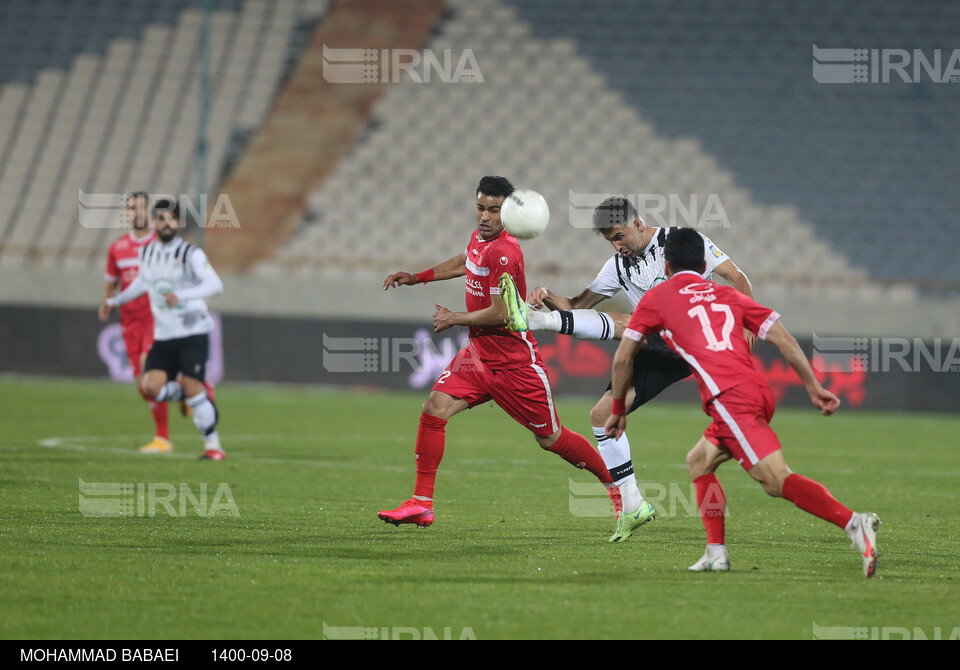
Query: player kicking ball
{"x": 703, "y": 322}
{"x": 497, "y": 365}
{"x": 177, "y": 276}
{"x": 635, "y": 268}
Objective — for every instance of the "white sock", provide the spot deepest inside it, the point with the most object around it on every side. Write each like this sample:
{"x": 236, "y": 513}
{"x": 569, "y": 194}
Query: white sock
{"x": 171, "y": 392}
{"x": 616, "y": 456}
{"x": 853, "y": 525}
{"x": 714, "y": 550}
{"x": 211, "y": 442}
{"x": 537, "y": 320}
{"x": 204, "y": 415}
{"x": 587, "y": 324}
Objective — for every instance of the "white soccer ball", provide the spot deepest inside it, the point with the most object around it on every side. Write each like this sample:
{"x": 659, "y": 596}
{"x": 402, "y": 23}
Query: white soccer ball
{"x": 524, "y": 213}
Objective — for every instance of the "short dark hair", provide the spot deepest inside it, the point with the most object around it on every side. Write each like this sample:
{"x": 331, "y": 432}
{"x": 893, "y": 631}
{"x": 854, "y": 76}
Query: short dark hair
{"x": 684, "y": 250}
{"x": 495, "y": 186}
{"x": 167, "y": 205}
{"x": 136, "y": 194}
{"x": 614, "y": 211}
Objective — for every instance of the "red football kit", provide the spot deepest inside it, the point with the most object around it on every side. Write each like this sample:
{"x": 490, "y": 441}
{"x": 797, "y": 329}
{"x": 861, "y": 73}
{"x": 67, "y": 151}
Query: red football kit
{"x": 703, "y": 322}
{"x": 136, "y": 318}
{"x": 497, "y": 364}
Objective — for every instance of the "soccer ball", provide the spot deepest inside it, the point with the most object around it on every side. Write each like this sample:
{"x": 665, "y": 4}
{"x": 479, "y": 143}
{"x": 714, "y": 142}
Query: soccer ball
{"x": 524, "y": 213}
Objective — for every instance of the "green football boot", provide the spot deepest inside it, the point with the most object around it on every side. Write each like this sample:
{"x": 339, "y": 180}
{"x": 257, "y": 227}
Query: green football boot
{"x": 516, "y": 307}
{"x": 628, "y": 522}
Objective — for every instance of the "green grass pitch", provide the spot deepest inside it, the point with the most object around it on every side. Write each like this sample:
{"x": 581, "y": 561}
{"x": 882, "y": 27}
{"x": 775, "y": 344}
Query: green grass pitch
{"x": 308, "y": 469}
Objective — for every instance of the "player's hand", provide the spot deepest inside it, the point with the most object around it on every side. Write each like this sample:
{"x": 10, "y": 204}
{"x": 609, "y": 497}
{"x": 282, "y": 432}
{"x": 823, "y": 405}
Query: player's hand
{"x": 615, "y": 425}
{"x": 104, "y": 311}
{"x": 443, "y": 318}
{"x": 824, "y": 400}
{"x": 172, "y": 299}
{"x": 537, "y": 296}
{"x": 750, "y": 337}
{"x": 400, "y": 279}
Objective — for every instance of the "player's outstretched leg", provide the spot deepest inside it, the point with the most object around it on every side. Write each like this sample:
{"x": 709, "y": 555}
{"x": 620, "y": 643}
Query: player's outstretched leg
{"x": 584, "y": 324}
{"x": 813, "y": 497}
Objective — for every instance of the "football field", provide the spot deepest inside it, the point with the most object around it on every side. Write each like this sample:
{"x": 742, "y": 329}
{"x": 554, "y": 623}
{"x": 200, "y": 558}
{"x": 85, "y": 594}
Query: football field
{"x": 282, "y": 540}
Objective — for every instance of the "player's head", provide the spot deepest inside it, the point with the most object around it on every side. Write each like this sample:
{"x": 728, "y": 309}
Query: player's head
{"x": 684, "y": 251}
{"x": 166, "y": 218}
{"x": 617, "y": 220}
{"x": 491, "y": 192}
{"x": 137, "y": 209}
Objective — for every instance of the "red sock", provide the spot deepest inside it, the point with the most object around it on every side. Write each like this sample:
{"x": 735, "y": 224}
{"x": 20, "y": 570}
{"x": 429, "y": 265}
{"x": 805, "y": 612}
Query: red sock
{"x": 576, "y": 450}
{"x": 159, "y": 410}
{"x": 813, "y": 497}
{"x": 429, "y": 450}
{"x": 712, "y": 503}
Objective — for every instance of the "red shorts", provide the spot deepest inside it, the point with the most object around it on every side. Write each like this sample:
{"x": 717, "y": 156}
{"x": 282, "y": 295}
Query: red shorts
{"x": 741, "y": 423}
{"x": 524, "y": 393}
{"x": 138, "y": 337}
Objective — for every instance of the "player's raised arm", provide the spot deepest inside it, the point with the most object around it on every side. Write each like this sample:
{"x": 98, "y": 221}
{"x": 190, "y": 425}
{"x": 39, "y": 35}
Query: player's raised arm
{"x": 822, "y": 399}
{"x": 449, "y": 269}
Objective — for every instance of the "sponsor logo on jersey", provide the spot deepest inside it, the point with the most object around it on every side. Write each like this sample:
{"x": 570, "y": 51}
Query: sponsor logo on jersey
{"x": 699, "y": 292}
{"x": 716, "y": 252}
{"x": 475, "y": 287}
{"x": 504, "y": 260}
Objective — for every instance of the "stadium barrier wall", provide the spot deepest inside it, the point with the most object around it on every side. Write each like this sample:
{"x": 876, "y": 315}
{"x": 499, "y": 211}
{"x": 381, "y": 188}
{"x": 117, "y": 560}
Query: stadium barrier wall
{"x": 408, "y": 355}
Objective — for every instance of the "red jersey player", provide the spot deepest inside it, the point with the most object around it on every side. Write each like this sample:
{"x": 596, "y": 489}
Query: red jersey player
{"x": 703, "y": 322}
{"x": 136, "y": 320}
{"x": 496, "y": 365}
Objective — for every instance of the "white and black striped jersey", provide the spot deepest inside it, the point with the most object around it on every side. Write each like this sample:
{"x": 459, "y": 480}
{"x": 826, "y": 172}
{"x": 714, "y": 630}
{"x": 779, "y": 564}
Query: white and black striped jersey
{"x": 636, "y": 276}
{"x": 181, "y": 268}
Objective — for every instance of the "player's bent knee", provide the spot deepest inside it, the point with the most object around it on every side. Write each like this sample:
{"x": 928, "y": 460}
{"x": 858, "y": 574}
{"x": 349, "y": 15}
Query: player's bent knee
{"x": 601, "y": 411}
{"x": 148, "y": 388}
{"x": 547, "y": 441}
{"x": 442, "y": 406}
{"x": 773, "y": 488}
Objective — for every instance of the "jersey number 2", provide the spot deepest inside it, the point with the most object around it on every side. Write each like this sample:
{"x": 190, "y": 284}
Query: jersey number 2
{"x": 713, "y": 344}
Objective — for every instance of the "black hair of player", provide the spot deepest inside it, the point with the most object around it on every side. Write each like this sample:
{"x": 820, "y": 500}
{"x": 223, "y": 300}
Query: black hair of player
{"x": 684, "y": 250}
{"x": 495, "y": 187}
{"x": 167, "y": 205}
{"x": 137, "y": 194}
{"x": 614, "y": 211}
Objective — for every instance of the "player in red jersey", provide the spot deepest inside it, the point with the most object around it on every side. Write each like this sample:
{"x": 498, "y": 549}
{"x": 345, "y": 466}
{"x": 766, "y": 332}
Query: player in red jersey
{"x": 136, "y": 319}
{"x": 703, "y": 322}
{"x": 496, "y": 365}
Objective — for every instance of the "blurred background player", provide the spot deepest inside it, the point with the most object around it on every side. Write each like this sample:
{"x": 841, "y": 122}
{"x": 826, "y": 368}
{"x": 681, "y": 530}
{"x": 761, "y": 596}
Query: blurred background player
{"x": 136, "y": 319}
{"x": 704, "y": 322}
{"x": 637, "y": 267}
{"x": 177, "y": 276}
{"x": 497, "y": 365}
